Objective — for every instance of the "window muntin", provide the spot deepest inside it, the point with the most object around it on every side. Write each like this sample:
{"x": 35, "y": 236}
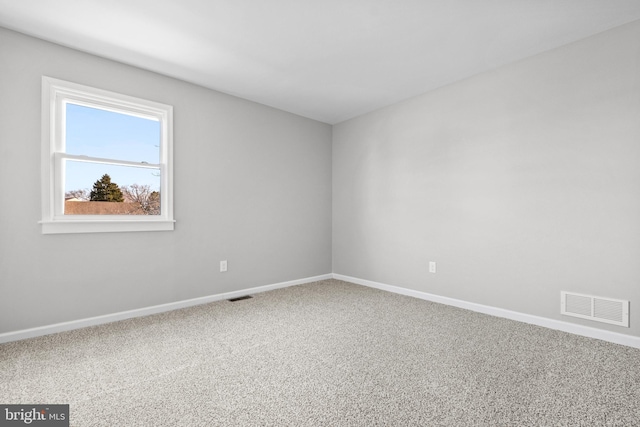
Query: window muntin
{"x": 89, "y": 132}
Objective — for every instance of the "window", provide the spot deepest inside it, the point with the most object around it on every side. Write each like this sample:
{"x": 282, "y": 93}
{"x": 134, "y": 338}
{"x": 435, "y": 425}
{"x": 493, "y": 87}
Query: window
{"x": 106, "y": 161}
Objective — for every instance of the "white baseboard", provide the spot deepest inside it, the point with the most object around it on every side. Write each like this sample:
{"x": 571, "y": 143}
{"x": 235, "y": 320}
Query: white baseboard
{"x": 614, "y": 337}
{"x": 617, "y": 338}
{"x": 108, "y": 318}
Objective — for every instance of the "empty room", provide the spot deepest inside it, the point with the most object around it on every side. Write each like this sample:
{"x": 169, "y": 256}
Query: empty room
{"x": 320, "y": 213}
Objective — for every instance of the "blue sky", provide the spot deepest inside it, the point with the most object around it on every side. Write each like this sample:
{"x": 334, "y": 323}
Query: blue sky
{"x": 100, "y": 133}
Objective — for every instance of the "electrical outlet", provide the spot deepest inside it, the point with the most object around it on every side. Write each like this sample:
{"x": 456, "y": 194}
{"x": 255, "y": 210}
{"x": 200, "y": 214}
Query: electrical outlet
{"x": 432, "y": 266}
{"x": 223, "y": 266}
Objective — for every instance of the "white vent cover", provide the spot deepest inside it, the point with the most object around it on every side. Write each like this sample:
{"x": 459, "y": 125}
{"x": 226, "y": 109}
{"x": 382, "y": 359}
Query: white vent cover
{"x": 607, "y": 310}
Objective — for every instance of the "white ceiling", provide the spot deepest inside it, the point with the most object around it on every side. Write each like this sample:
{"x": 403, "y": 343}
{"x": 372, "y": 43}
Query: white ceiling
{"x": 329, "y": 60}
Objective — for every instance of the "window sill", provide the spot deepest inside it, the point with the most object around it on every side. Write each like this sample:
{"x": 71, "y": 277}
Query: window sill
{"x": 104, "y": 226}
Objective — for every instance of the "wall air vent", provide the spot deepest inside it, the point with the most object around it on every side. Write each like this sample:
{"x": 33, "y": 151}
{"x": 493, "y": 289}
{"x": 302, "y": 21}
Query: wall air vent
{"x": 607, "y": 310}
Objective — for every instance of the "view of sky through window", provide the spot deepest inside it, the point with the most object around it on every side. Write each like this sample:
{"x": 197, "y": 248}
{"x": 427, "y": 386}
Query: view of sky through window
{"x": 105, "y": 134}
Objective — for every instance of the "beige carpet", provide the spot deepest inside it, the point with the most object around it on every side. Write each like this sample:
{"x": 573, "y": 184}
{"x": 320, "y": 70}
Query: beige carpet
{"x": 325, "y": 354}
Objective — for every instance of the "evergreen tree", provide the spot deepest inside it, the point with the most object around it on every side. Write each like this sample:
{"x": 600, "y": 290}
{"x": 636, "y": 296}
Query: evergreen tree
{"x": 106, "y": 191}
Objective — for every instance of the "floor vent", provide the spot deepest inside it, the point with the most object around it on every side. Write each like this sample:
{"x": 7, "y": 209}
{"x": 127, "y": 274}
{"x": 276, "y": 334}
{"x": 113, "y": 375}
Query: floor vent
{"x": 240, "y": 298}
{"x": 607, "y": 310}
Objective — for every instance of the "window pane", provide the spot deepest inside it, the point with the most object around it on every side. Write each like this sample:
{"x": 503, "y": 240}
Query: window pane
{"x": 100, "y": 133}
{"x": 102, "y": 189}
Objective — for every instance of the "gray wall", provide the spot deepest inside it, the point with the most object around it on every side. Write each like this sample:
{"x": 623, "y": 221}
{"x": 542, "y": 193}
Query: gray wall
{"x": 252, "y": 186}
{"x": 519, "y": 183}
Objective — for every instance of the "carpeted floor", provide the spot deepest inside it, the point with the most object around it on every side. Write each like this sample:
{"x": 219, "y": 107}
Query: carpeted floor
{"x": 325, "y": 354}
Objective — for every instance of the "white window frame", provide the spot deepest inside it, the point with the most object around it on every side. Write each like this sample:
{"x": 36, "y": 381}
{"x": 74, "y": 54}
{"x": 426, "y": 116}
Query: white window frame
{"x": 55, "y": 94}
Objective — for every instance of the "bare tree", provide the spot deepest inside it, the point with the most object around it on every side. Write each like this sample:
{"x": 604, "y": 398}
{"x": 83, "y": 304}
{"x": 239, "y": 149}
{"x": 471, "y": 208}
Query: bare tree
{"x": 148, "y": 200}
{"x": 82, "y": 194}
